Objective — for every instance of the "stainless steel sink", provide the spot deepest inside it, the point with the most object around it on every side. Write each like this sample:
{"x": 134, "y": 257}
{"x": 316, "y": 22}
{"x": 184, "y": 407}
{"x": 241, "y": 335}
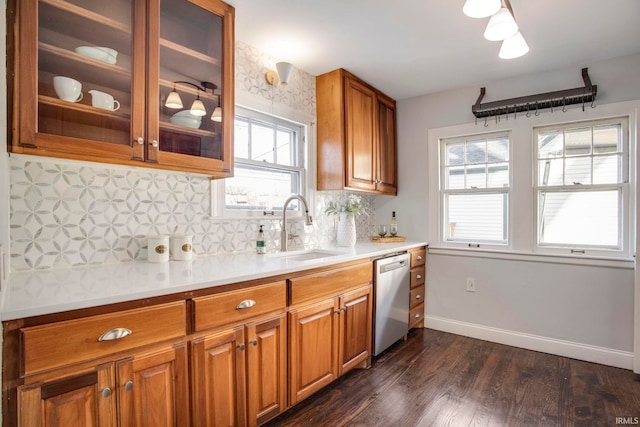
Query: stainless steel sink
{"x": 305, "y": 255}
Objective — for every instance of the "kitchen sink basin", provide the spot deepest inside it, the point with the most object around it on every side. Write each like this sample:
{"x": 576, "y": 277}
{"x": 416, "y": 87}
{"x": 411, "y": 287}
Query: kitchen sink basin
{"x": 305, "y": 255}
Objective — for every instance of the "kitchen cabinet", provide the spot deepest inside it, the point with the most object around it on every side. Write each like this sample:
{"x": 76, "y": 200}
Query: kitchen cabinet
{"x": 417, "y": 291}
{"x": 356, "y": 135}
{"x": 239, "y": 370}
{"x": 135, "y": 52}
{"x": 145, "y": 385}
{"x": 329, "y": 327}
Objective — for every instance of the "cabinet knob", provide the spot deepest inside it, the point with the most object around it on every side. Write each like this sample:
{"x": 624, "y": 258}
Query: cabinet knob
{"x": 106, "y": 392}
{"x": 254, "y": 342}
{"x": 154, "y": 143}
{"x": 141, "y": 141}
{"x": 241, "y": 347}
{"x": 417, "y": 315}
{"x": 337, "y": 311}
{"x": 418, "y": 296}
{"x": 418, "y": 276}
{"x": 115, "y": 334}
{"x": 419, "y": 257}
{"x": 128, "y": 385}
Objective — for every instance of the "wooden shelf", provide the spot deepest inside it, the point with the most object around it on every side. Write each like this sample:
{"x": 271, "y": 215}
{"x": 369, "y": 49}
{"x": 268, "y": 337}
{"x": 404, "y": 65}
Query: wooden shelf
{"x": 387, "y": 239}
{"x": 83, "y": 108}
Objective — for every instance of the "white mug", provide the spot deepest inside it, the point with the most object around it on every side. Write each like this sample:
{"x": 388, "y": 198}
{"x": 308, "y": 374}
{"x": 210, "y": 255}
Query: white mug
{"x": 103, "y": 100}
{"x": 158, "y": 248}
{"x": 67, "y": 88}
{"x": 182, "y": 247}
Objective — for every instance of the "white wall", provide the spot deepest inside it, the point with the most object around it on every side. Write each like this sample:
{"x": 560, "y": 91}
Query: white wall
{"x": 579, "y": 311}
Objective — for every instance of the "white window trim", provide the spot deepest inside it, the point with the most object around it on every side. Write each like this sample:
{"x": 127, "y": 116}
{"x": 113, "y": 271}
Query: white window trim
{"x": 307, "y": 157}
{"x": 522, "y": 226}
{"x": 493, "y": 190}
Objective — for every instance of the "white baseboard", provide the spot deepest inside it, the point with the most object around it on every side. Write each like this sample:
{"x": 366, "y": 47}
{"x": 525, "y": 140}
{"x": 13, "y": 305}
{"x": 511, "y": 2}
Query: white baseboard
{"x": 589, "y": 353}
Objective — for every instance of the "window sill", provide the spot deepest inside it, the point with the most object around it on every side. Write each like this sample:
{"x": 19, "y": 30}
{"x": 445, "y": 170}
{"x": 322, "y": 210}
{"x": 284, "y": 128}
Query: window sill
{"x": 624, "y": 263}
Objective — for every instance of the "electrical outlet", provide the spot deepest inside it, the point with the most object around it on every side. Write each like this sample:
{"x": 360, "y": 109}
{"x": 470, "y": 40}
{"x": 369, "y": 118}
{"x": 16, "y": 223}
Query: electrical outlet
{"x": 471, "y": 284}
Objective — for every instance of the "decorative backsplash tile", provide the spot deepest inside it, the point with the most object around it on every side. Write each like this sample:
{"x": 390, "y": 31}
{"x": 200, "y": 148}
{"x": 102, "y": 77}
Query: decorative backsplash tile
{"x": 65, "y": 213}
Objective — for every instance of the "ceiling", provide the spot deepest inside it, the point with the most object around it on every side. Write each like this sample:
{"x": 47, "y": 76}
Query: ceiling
{"x": 409, "y": 48}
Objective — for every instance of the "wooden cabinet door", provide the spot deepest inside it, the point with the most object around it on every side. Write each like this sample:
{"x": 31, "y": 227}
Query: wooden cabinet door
{"x": 83, "y": 400}
{"x": 218, "y": 378}
{"x": 313, "y": 348}
{"x": 356, "y": 310}
{"x": 153, "y": 389}
{"x": 386, "y": 158}
{"x": 360, "y": 136}
{"x": 266, "y": 369}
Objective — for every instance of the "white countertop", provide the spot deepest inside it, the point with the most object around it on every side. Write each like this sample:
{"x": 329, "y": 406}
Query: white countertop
{"x": 52, "y": 291}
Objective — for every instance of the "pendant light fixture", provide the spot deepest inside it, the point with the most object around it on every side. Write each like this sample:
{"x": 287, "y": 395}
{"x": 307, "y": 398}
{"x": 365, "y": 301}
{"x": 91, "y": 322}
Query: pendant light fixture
{"x": 217, "y": 113}
{"x": 502, "y": 26}
{"x": 513, "y": 47}
{"x": 197, "y": 107}
{"x": 481, "y": 8}
{"x": 173, "y": 100}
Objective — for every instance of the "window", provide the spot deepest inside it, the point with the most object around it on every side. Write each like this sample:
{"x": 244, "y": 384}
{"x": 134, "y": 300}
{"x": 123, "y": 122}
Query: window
{"x": 269, "y": 164}
{"x": 581, "y": 185}
{"x": 475, "y": 189}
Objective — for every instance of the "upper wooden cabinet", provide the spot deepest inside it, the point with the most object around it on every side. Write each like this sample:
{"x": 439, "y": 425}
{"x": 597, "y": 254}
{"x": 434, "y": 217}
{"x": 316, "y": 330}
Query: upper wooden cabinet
{"x": 356, "y": 135}
{"x": 124, "y": 57}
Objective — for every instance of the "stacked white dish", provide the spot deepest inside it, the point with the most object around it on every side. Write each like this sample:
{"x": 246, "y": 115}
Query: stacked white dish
{"x": 103, "y": 54}
{"x": 185, "y": 118}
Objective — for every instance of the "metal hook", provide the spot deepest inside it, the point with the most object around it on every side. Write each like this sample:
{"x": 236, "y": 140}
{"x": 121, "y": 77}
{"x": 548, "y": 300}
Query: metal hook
{"x": 485, "y": 122}
{"x": 564, "y": 105}
{"x": 537, "y": 112}
{"x": 528, "y": 112}
{"x": 593, "y": 102}
{"x": 476, "y": 120}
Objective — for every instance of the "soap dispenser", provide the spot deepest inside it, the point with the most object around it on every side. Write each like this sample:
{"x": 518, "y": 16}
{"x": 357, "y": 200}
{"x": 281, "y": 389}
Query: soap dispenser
{"x": 261, "y": 244}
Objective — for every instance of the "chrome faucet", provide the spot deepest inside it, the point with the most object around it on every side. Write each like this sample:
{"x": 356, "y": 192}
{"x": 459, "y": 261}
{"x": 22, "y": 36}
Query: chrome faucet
{"x": 308, "y": 219}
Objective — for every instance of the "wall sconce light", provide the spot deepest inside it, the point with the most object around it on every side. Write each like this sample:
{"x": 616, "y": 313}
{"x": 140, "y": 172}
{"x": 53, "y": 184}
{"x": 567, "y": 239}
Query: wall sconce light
{"x": 197, "y": 107}
{"x": 285, "y": 69}
{"x": 501, "y": 26}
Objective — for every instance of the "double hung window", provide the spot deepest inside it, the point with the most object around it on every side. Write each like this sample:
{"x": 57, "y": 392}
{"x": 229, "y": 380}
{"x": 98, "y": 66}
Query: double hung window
{"x": 475, "y": 189}
{"x": 269, "y": 164}
{"x": 582, "y": 186}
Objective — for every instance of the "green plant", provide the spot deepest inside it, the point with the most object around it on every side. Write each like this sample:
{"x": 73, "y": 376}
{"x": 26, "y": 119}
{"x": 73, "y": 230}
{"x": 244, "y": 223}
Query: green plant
{"x": 352, "y": 204}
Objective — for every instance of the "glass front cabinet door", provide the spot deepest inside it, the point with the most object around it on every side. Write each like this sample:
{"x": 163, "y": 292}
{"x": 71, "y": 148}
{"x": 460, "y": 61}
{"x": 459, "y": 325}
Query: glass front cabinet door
{"x": 134, "y": 82}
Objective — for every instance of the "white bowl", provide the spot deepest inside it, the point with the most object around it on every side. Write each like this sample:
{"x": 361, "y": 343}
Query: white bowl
{"x": 185, "y": 118}
{"x": 103, "y": 54}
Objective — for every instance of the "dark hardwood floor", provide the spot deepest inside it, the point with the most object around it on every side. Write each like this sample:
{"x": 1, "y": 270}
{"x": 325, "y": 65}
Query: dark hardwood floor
{"x": 441, "y": 379}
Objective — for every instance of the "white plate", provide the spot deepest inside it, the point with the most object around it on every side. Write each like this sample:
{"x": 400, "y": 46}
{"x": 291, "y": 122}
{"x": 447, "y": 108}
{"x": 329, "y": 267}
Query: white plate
{"x": 103, "y": 54}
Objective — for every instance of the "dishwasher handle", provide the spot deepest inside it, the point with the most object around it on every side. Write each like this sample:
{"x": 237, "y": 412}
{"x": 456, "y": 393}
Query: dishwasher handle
{"x": 385, "y": 268}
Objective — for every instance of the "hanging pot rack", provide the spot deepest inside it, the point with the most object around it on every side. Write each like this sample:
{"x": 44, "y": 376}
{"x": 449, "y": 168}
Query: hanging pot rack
{"x": 534, "y": 103}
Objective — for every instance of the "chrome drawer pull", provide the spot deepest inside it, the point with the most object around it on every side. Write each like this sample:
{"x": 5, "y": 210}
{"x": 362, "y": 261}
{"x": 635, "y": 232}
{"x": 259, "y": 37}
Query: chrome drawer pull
{"x": 106, "y": 392}
{"x": 128, "y": 386}
{"x": 115, "y": 334}
{"x": 245, "y": 304}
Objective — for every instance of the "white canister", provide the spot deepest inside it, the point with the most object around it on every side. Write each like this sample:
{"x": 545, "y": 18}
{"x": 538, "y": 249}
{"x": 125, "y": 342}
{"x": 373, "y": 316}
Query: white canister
{"x": 182, "y": 247}
{"x": 158, "y": 248}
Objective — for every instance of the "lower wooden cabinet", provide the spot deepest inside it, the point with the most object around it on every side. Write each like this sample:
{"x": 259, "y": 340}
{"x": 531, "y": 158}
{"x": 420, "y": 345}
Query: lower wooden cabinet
{"x": 239, "y": 374}
{"x": 328, "y": 338}
{"x": 148, "y": 389}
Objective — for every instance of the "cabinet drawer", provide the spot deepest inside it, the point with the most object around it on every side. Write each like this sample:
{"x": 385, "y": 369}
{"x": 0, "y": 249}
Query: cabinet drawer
{"x": 416, "y": 315}
{"x": 418, "y": 257}
{"x": 417, "y": 276}
{"x": 64, "y": 343}
{"x": 417, "y": 296}
{"x": 235, "y": 306}
{"x": 330, "y": 282}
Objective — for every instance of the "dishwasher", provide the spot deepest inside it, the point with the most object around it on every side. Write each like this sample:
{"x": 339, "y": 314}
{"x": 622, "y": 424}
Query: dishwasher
{"x": 391, "y": 300}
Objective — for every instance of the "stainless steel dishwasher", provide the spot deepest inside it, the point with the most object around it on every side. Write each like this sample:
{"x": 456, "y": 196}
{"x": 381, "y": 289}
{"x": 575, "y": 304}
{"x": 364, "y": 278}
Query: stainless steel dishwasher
{"x": 391, "y": 300}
